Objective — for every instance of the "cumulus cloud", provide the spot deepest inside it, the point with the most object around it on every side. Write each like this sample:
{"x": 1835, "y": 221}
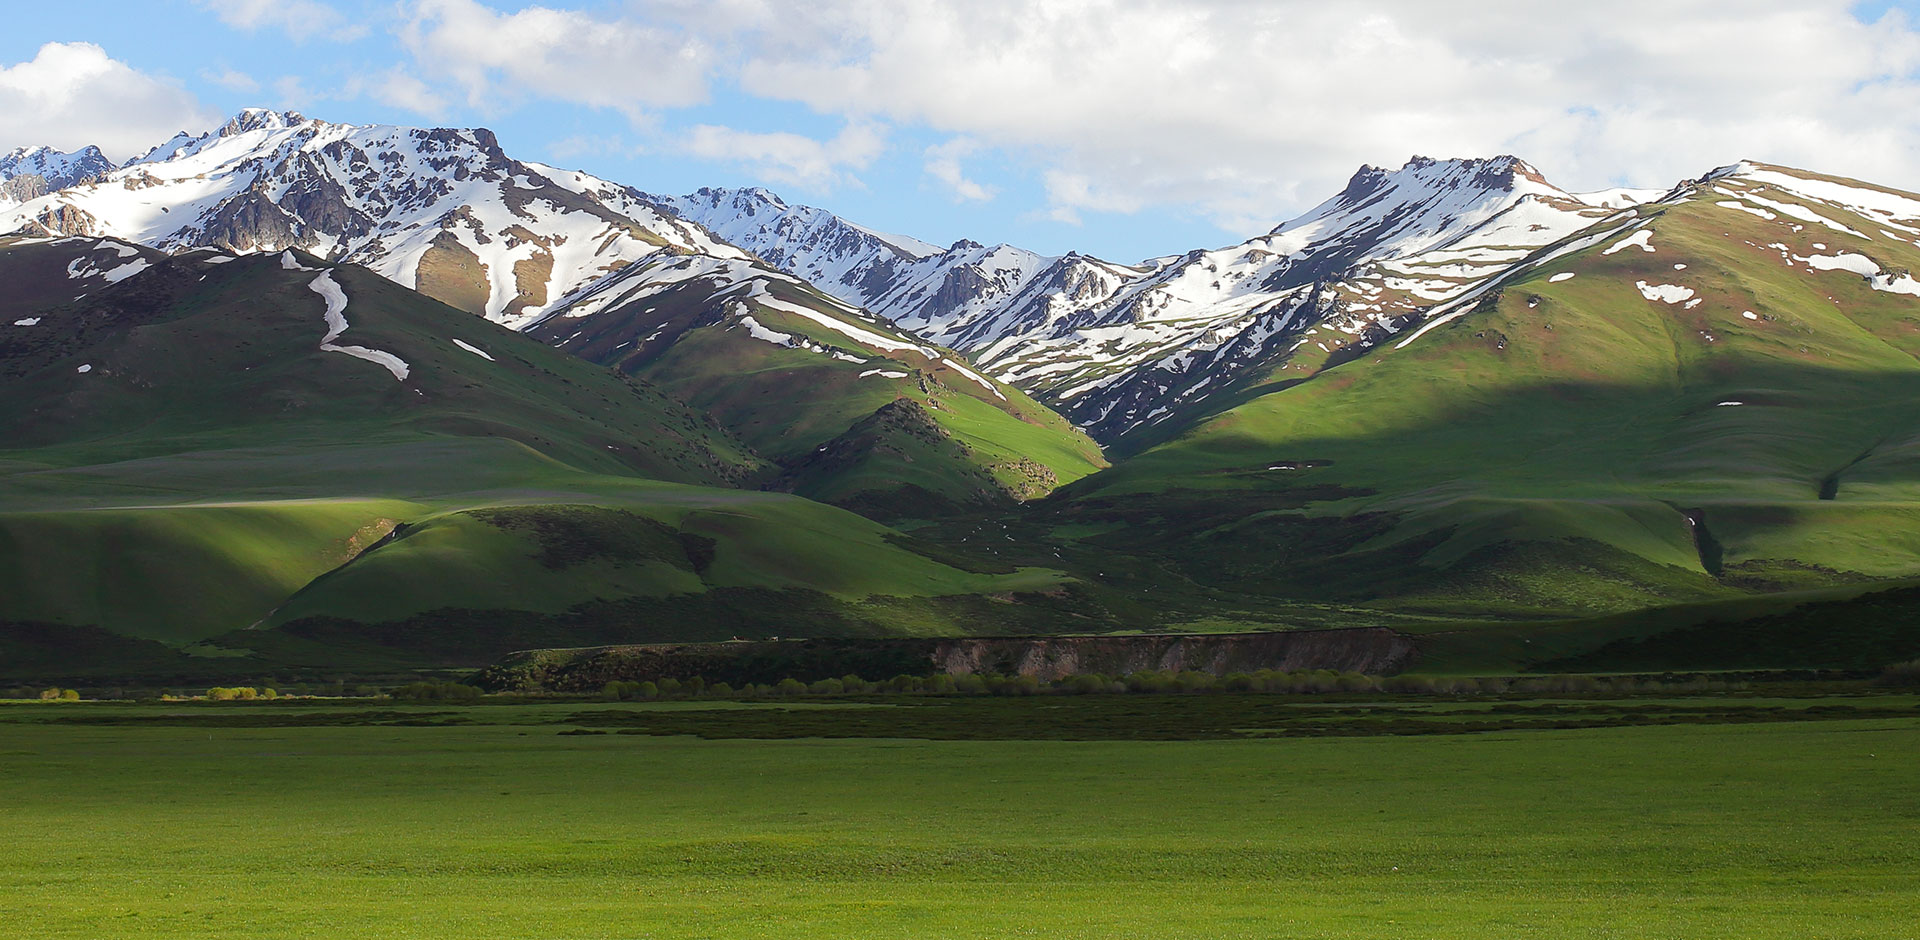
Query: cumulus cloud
{"x": 73, "y": 94}
{"x": 398, "y": 88}
{"x": 299, "y": 19}
{"x": 943, "y": 164}
{"x": 1232, "y": 110}
{"x": 1244, "y": 110}
{"x": 231, "y": 80}
{"x": 623, "y": 64}
{"x": 784, "y": 158}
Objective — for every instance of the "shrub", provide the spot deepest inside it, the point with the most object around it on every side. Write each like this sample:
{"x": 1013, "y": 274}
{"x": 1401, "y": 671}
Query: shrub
{"x": 1901, "y": 675}
{"x": 432, "y": 691}
{"x": 618, "y": 691}
{"x": 1084, "y": 684}
{"x": 59, "y": 695}
{"x": 790, "y": 687}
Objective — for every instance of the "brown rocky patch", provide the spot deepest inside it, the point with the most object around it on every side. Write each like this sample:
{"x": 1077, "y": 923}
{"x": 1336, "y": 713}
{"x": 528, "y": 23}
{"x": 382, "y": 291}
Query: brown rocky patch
{"x": 452, "y": 274}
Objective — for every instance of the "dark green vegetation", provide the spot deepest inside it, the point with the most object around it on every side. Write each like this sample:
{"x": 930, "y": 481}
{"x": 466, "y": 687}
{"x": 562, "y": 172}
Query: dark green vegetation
{"x": 1715, "y": 818}
{"x": 856, "y": 413}
{"x": 1568, "y": 447}
{"x": 212, "y": 470}
{"x": 1689, "y": 458}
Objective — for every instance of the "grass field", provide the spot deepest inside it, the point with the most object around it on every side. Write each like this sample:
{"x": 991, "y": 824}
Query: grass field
{"x": 285, "y": 820}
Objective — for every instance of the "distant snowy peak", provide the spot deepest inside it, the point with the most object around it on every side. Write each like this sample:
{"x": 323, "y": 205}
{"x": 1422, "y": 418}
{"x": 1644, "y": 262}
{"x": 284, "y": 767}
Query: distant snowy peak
{"x": 1423, "y": 205}
{"x": 756, "y": 218}
{"x": 854, "y": 263}
{"x": 31, "y": 172}
{"x": 442, "y": 210}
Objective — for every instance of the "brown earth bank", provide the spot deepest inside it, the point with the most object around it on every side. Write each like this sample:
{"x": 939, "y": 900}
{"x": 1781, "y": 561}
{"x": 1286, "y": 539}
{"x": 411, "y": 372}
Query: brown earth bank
{"x": 1371, "y": 650}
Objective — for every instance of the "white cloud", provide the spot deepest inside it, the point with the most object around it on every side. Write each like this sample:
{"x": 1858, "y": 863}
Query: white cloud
{"x": 72, "y": 94}
{"x": 943, "y": 164}
{"x": 625, "y": 65}
{"x": 782, "y": 158}
{"x": 290, "y": 91}
{"x": 398, "y": 88}
{"x": 1068, "y": 193}
{"x": 1242, "y": 110}
{"x": 299, "y": 19}
{"x": 599, "y": 145}
{"x": 231, "y": 80}
{"x": 1233, "y": 110}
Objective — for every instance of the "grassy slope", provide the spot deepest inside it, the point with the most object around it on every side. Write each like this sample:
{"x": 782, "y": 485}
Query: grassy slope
{"x": 505, "y": 829}
{"x": 1580, "y": 410}
{"x": 214, "y": 462}
{"x": 788, "y": 402}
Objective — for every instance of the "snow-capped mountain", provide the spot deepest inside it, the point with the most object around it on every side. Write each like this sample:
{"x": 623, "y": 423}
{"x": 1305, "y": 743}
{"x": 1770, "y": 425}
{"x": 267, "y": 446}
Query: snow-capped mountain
{"x": 810, "y": 243}
{"x": 1119, "y": 346}
{"x": 444, "y": 211}
{"x": 32, "y": 172}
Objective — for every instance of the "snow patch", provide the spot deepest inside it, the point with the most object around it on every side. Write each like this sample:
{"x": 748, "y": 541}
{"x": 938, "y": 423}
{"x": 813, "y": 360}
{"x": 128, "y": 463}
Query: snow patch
{"x": 1743, "y": 207}
{"x": 30, "y": 321}
{"x": 85, "y": 368}
{"x": 884, "y": 373}
{"x": 969, "y": 373}
{"x": 127, "y": 270}
{"x": 1844, "y": 261}
{"x": 755, "y": 330}
{"x": 1665, "y": 293}
{"x": 1562, "y": 276}
{"x": 469, "y": 347}
{"x": 1638, "y": 240}
{"x": 336, "y": 316}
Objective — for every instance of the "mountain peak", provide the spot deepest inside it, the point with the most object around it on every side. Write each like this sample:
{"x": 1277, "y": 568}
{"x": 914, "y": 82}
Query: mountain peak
{"x": 261, "y": 119}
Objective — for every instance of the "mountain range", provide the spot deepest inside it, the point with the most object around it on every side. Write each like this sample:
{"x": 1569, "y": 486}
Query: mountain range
{"x": 391, "y": 391}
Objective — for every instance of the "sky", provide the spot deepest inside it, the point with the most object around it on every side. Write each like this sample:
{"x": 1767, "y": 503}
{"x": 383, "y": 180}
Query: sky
{"x": 1124, "y": 129}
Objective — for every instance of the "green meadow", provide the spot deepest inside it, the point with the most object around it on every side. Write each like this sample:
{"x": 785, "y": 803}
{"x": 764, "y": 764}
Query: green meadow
{"x": 1724, "y": 816}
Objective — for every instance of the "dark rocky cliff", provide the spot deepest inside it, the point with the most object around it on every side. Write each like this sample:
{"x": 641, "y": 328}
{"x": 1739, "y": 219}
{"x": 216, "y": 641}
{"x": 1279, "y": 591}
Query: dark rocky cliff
{"x": 1373, "y": 650}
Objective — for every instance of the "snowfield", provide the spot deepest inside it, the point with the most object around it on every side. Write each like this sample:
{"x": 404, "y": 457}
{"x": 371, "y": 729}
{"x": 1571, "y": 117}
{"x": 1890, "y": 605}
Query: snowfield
{"x": 336, "y": 317}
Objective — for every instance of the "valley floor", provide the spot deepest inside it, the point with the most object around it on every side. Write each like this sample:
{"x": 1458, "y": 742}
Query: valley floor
{"x": 1730, "y": 816}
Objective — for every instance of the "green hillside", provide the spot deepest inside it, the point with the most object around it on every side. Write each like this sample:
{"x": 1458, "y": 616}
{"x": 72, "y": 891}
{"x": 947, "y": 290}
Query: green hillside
{"x": 1734, "y": 411}
{"x": 183, "y": 460}
{"x": 812, "y": 384}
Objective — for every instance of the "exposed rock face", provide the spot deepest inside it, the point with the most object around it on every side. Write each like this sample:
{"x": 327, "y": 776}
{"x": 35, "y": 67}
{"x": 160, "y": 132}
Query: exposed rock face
{"x": 1372, "y": 650}
{"x": 23, "y": 187}
{"x": 55, "y": 169}
{"x": 1376, "y": 651}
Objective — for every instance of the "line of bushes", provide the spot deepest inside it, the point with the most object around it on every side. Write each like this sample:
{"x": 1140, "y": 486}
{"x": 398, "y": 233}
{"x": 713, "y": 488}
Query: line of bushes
{"x": 1307, "y": 682}
{"x": 1901, "y": 675}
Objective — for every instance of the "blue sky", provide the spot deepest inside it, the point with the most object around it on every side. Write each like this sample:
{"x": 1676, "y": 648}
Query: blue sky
{"x": 1120, "y": 128}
